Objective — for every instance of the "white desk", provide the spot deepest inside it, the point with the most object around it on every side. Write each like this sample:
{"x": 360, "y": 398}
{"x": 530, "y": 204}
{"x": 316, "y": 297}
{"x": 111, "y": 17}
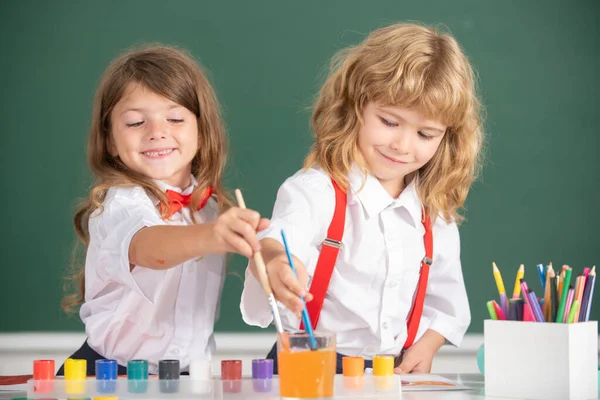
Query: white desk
{"x": 474, "y": 381}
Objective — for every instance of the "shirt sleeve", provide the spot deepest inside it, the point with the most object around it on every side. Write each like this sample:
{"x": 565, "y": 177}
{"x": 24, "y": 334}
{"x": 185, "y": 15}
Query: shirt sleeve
{"x": 301, "y": 204}
{"x": 111, "y": 231}
{"x": 446, "y": 308}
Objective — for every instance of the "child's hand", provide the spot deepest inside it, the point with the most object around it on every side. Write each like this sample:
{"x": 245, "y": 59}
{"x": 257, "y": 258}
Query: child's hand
{"x": 286, "y": 287}
{"x": 235, "y": 231}
{"x": 419, "y": 357}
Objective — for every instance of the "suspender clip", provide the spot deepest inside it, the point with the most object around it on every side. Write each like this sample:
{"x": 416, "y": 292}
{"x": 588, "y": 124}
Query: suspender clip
{"x": 427, "y": 261}
{"x": 332, "y": 243}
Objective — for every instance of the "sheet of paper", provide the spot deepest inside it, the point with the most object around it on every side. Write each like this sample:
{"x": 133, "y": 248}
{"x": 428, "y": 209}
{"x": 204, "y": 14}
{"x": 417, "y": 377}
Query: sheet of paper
{"x": 428, "y": 382}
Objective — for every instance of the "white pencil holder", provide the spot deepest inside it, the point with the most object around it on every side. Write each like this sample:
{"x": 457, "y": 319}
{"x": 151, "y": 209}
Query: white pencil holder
{"x": 536, "y": 360}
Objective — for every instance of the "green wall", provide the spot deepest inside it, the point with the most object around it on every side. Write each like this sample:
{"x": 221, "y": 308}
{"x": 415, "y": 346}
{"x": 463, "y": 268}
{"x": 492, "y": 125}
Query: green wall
{"x": 537, "y": 63}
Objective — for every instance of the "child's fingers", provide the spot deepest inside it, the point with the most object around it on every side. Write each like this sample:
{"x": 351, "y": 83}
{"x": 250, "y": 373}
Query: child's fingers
{"x": 421, "y": 368}
{"x": 238, "y": 244}
{"x": 284, "y": 295}
{"x": 408, "y": 363}
{"x": 246, "y": 231}
{"x": 263, "y": 224}
{"x": 250, "y": 216}
{"x": 302, "y": 278}
{"x": 287, "y": 277}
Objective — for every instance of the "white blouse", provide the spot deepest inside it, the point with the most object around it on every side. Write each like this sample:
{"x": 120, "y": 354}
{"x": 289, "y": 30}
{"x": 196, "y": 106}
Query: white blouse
{"x": 144, "y": 313}
{"x": 373, "y": 283}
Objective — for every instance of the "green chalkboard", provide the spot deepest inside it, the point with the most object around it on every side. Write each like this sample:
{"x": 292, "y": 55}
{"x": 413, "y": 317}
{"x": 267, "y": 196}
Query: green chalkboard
{"x": 537, "y": 62}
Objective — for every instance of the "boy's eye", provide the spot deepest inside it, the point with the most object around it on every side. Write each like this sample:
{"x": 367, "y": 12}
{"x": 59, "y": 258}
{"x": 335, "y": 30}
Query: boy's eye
{"x": 134, "y": 124}
{"x": 387, "y": 122}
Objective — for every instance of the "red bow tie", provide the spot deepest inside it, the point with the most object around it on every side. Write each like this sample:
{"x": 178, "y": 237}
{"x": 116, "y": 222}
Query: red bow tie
{"x": 177, "y": 201}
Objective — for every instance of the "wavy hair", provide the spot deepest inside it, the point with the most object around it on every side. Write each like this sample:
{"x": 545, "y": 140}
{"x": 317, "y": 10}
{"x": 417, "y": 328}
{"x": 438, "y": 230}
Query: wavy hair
{"x": 404, "y": 65}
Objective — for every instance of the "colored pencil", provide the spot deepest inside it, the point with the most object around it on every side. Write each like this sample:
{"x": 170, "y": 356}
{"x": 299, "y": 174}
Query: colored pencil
{"x": 535, "y": 306}
{"x": 579, "y": 295}
{"x": 541, "y": 273}
{"x": 570, "y": 295}
{"x": 492, "y": 310}
{"x": 567, "y": 298}
{"x": 528, "y": 308}
{"x": 562, "y": 280}
{"x": 528, "y": 314}
{"x": 499, "y": 313}
{"x": 563, "y": 295}
{"x": 574, "y": 308}
{"x": 513, "y": 312}
{"x": 517, "y": 288}
{"x": 501, "y": 289}
{"x": 547, "y": 303}
{"x": 590, "y": 289}
{"x": 556, "y": 298}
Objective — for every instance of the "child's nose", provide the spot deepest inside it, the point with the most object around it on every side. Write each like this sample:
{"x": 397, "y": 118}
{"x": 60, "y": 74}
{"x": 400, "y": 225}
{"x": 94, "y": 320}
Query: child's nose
{"x": 402, "y": 142}
{"x": 157, "y": 130}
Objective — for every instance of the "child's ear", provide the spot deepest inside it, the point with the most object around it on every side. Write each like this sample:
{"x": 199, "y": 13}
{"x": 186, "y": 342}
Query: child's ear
{"x": 110, "y": 146}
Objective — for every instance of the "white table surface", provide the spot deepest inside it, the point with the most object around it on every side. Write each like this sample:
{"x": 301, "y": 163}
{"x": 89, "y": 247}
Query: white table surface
{"x": 474, "y": 381}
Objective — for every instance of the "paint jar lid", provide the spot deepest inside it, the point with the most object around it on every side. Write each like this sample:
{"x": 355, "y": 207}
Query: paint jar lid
{"x": 168, "y": 369}
{"x": 200, "y": 370}
{"x": 137, "y": 369}
{"x": 43, "y": 370}
{"x": 383, "y": 365}
{"x": 231, "y": 370}
{"x": 106, "y": 369}
{"x": 262, "y": 369}
{"x": 75, "y": 370}
{"x": 353, "y": 366}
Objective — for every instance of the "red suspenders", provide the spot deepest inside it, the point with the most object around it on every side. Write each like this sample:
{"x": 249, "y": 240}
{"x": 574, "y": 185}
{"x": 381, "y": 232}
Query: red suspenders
{"x": 327, "y": 259}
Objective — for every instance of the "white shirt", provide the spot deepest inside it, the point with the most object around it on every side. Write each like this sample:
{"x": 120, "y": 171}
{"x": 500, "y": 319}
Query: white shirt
{"x": 144, "y": 313}
{"x": 377, "y": 270}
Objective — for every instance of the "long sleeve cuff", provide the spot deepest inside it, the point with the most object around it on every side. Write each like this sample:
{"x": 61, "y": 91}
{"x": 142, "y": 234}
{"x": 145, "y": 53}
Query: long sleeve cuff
{"x": 254, "y": 304}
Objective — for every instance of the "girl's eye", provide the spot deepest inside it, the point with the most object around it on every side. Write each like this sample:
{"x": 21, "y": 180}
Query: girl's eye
{"x": 425, "y": 136}
{"x": 387, "y": 122}
{"x": 134, "y": 124}
{"x": 175, "y": 120}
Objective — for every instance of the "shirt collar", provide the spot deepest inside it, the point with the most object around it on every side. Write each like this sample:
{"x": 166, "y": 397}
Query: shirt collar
{"x": 374, "y": 198}
{"x": 409, "y": 199}
{"x": 165, "y": 186}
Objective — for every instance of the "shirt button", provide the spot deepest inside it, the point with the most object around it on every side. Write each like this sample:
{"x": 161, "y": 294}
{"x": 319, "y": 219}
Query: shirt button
{"x": 393, "y": 284}
{"x": 385, "y": 325}
{"x": 176, "y": 351}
